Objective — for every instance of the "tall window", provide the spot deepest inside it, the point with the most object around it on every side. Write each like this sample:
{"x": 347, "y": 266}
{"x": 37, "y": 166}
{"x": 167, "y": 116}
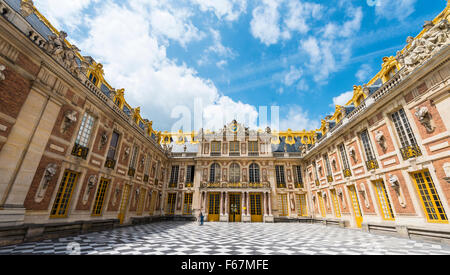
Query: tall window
{"x": 408, "y": 141}
{"x": 113, "y": 145}
{"x": 298, "y": 176}
{"x": 337, "y": 208}
{"x": 214, "y": 175}
{"x": 328, "y": 166}
{"x": 134, "y": 157}
{"x": 148, "y": 160}
{"x": 300, "y": 200}
{"x": 187, "y": 209}
{"x": 431, "y": 201}
{"x": 85, "y": 130}
{"x": 347, "y": 172}
{"x": 171, "y": 200}
{"x": 316, "y": 172}
{"x": 133, "y": 162}
{"x": 370, "y": 156}
{"x": 281, "y": 181}
{"x": 253, "y": 148}
{"x": 283, "y": 205}
{"x": 234, "y": 148}
{"x": 190, "y": 174}
{"x": 100, "y": 197}
{"x": 110, "y": 157}
{"x": 64, "y": 195}
{"x": 235, "y": 173}
{"x": 215, "y": 148}
{"x": 254, "y": 173}
{"x": 142, "y": 196}
{"x": 174, "y": 176}
{"x": 383, "y": 201}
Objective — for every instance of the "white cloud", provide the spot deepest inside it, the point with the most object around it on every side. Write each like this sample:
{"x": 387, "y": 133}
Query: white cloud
{"x": 59, "y": 11}
{"x": 342, "y": 99}
{"x": 124, "y": 40}
{"x": 218, "y": 47}
{"x": 269, "y": 26}
{"x": 224, "y": 110}
{"x": 398, "y": 9}
{"x": 298, "y": 14}
{"x": 298, "y": 119}
{"x": 174, "y": 24}
{"x": 230, "y": 10}
{"x": 364, "y": 72}
{"x": 333, "y": 49}
{"x": 221, "y": 63}
{"x": 292, "y": 76}
{"x": 265, "y": 24}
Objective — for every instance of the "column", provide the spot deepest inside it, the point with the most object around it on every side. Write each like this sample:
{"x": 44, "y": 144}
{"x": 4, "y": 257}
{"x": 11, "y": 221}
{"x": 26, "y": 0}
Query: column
{"x": 263, "y": 206}
{"x": 242, "y": 203}
{"x": 226, "y": 203}
{"x": 270, "y": 203}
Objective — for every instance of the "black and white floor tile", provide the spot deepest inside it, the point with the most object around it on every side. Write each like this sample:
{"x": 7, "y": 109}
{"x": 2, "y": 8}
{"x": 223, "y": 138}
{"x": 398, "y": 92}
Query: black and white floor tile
{"x": 178, "y": 238}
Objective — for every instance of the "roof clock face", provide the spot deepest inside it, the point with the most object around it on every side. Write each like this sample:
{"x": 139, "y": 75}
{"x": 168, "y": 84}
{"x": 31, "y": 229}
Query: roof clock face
{"x": 234, "y": 128}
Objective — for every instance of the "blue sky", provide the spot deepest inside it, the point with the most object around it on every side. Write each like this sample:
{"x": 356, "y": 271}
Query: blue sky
{"x": 238, "y": 55}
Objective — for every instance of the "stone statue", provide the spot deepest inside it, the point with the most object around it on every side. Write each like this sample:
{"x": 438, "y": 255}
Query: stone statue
{"x": 104, "y": 139}
{"x": 49, "y": 173}
{"x": 70, "y": 118}
{"x": 353, "y": 154}
{"x": 393, "y": 180}
{"x": 424, "y": 118}
{"x": 26, "y": 7}
{"x": 2, "y": 72}
{"x": 435, "y": 37}
{"x": 381, "y": 140}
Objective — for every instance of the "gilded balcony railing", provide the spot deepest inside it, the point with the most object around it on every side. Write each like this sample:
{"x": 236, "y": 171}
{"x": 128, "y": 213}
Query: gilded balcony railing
{"x": 317, "y": 183}
{"x": 298, "y": 185}
{"x": 281, "y": 185}
{"x": 80, "y": 151}
{"x": 146, "y": 177}
{"x": 410, "y": 152}
{"x": 330, "y": 178}
{"x": 189, "y": 184}
{"x": 131, "y": 172}
{"x": 110, "y": 163}
{"x": 372, "y": 164}
{"x": 347, "y": 173}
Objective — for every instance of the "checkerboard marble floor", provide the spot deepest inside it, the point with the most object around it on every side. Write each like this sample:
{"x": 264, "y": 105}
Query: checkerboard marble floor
{"x": 178, "y": 238}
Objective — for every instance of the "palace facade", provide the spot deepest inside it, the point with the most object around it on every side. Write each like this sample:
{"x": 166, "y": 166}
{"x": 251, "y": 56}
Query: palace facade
{"x": 76, "y": 157}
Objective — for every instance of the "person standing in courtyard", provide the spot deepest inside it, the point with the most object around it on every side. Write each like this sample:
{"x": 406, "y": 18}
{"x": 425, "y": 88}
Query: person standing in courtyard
{"x": 201, "y": 218}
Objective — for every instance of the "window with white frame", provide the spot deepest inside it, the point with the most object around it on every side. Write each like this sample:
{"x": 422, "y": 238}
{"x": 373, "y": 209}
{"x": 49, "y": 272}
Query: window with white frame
{"x": 85, "y": 131}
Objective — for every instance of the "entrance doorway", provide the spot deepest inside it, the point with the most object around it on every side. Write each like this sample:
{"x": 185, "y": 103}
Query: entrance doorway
{"x": 256, "y": 207}
{"x": 235, "y": 208}
{"x": 214, "y": 207}
{"x": 356, "y": 207}
{"x": 124, "y": 203}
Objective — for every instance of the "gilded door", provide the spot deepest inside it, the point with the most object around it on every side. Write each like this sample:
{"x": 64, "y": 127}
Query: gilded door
{"x": 214, "y": 207}
{"x": 124, "y": 203}
{"x": 256, "y": 207}
{"x": 235, "y": 208}
{"x": 356, "y": 207}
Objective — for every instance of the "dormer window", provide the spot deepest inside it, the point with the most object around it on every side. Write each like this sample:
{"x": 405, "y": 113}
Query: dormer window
{"x": 93, "y": 79}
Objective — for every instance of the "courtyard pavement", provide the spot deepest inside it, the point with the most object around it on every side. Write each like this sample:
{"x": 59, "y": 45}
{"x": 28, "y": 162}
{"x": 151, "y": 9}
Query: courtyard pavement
{"x": 178, "y": 238}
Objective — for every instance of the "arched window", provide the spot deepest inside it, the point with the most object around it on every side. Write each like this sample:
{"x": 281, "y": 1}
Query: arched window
{"x": 214, "y": 175}
{"x": 235, "y": 173}
{"x": 254, "y": 173}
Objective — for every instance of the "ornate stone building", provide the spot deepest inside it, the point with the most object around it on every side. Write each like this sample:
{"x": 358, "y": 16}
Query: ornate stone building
{"x": 76, "y": 157}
